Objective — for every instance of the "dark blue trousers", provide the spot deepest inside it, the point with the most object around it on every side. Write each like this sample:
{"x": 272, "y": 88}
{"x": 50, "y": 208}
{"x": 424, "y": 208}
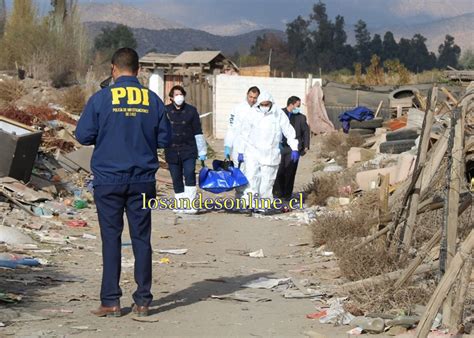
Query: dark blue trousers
{"x": 111, "y": 202}
{"x": 182, "y": 168}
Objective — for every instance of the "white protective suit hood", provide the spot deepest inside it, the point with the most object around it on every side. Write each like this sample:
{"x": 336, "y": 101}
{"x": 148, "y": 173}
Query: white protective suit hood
{"x": 263, "y": 133}
{"x": 263, "y": 97}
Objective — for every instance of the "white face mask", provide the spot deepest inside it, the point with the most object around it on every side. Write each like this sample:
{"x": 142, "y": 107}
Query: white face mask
{"x": 178, "y": 99}
{"x": 265, "y": 109}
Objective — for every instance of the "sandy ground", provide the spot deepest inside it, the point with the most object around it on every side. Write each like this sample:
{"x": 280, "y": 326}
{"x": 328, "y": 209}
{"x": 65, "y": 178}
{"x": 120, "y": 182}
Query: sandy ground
{"x": 58, "y": 298}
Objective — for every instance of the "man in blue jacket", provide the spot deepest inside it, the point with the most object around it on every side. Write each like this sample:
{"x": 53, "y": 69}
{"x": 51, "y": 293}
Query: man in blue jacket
{"x": 126, "y": 123}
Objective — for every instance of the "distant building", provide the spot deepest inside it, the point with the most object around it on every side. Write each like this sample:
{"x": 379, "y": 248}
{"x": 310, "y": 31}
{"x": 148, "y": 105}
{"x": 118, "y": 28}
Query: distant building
{"x": 184, "y": 69}
{"x": 189, "y": 63}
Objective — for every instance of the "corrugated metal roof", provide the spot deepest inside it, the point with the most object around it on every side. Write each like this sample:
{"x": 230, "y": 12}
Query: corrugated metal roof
{"x": 196, "y": 57}
{"x": 157, "y": 58}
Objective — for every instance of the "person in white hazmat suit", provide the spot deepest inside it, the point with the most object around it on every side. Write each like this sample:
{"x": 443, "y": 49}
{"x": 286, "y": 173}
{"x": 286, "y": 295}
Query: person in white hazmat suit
{"x": 240, "y": 113}
{"x": 258, "y": 145}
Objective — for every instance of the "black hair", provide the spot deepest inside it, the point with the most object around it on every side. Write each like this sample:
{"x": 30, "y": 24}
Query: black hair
{"x": 254, "y": 90}
{"x": 292, "y": 100}
{"x": 177, "y": 87}
{"x": 126, "y": 59}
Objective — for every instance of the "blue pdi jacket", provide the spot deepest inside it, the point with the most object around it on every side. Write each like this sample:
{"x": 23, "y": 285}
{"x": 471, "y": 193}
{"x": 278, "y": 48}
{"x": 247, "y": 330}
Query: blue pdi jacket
{"x": 185, "y": 125}
{"x": 126, "y": 122}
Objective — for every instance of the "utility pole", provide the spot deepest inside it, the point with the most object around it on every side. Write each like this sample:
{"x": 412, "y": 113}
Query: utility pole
{"x": 270, "y": 57}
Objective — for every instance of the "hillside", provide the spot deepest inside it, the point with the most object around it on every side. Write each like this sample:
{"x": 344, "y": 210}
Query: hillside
{"x": 176, "y": 41}
{"x": 126, "y": 15}
{"x": 460, "y": 27}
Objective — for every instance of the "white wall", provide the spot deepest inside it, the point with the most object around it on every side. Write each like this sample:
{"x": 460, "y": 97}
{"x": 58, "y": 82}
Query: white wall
{"x": 231, "y": 90}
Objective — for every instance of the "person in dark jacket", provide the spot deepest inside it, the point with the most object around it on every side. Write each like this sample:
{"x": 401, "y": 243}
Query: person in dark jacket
{"x": 187, "y": 144}
{"x": 285, "y": 180}
{"x": 127, "y": 124}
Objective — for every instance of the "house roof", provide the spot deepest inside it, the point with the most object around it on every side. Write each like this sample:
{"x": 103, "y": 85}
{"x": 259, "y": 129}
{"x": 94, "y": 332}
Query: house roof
{"x": 196, "y": 57}
{"x": 158, "y": 58}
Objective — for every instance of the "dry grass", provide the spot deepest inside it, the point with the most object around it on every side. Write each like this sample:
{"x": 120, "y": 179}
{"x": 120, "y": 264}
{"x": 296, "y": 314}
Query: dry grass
{"x": 11, "y": 90}
{"x": 327, "y": 185}
{"x": 74, "y": 99}
{"x": 336, "y": 145}
{"x": 384, "y": 299}
{"x": 332, "y": 228}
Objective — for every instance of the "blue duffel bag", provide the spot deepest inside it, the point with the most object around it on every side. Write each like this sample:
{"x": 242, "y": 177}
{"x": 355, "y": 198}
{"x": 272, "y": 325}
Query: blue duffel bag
{"x": 224, "y": 177}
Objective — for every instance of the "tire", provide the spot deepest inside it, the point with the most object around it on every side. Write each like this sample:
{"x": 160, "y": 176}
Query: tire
{"x": 396, "y": 147}
{"x": 369, "y": 124}
{"x": 361, "y": 131}
{"x": 405, "y": 134}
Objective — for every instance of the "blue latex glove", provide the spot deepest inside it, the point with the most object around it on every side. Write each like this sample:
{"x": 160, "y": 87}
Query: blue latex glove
{"x": 241, "y": 157}
{"x": 227, "y": 152}
{"x": 203, "y": 157}
{"x": 295, "y": 156}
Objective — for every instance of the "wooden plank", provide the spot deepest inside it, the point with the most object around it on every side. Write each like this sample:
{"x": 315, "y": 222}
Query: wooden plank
{"x": 379, "y": 108}
{"x": 420, "y": 162}
{"x": 448, "y": 248}
{"x": 460, "y": 298}
{"x": 373, "y": 281}
{"x": 383, "y": 196}
{"x": 445, "y": 286}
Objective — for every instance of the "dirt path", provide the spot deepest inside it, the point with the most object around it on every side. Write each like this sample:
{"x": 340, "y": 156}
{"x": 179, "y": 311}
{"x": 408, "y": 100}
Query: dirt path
{"x": 212, "y": 266}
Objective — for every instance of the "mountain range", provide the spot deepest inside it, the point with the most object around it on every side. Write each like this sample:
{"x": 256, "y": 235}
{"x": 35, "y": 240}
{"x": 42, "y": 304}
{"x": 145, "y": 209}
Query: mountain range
{"x": 166, "y": 36}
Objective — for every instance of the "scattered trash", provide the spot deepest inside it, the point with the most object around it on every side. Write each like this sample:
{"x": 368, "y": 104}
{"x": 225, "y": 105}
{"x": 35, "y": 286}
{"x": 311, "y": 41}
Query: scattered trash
{"x": 80, "y": 204}
{"x": 336, "y": 313}
{"x": 355, "y": 331}
{"x": 257, "y": 254}
{"x": 173, "y": 251}
{"x": 13, "y": 236}
{"x": 149, "y": 319}
{"x": 9, "y": 297}
{"x": 266, "y": 283}
{"x": 13, "y": 261}
{"x": 89, "y": 236}
{"x": 369, "y": 325}
{"x": 76, "y": 224}
{"x": 317, "y": 315}
{"x": 242, "y": 297}
{"x": 164, "y": 261}
{"x": 57, "y": 310}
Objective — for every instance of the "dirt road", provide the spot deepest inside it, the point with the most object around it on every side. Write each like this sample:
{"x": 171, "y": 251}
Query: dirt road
{"x": 58, "y": 298}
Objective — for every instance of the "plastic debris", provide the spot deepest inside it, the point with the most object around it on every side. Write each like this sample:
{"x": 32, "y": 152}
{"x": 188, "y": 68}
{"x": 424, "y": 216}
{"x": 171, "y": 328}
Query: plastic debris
{"x": 257, "y": 254}
{"x": 76, "y": 224}
{"x": 266, "y": 283}
{"x": 13, "y": 236}
{"x": 89, "y": 236}
{"x": 370, "y": 325}
{"x": 317, "y": 315}
{"x": 336, "y": 313}
{"x": 242, "y": 297}
{"x": 355, "y": 331}
{"x": 173, "y": 251}
{"x": 12, "y": 261}
{"x": 164, "y": 261}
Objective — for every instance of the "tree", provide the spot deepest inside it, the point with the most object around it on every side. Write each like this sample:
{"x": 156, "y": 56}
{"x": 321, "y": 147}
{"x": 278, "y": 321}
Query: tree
{"x": 298, "y": 40}
{"x": 390, "y": 47}
{"x": 344, "y": 53}
{"x": 362, "y": 43}
{"x": 376, "y": 46}
{"x": 404, "y": 47}
{"x": 22, "y": 37}
{"x": 467, "y": 60}
{"x": 449, "y": 53}
{"x": 260, "y": 53}
{"x": 114, "y": 38}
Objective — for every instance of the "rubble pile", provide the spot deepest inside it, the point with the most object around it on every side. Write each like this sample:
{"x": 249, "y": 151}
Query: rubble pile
{"x": 410, "y": 253}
